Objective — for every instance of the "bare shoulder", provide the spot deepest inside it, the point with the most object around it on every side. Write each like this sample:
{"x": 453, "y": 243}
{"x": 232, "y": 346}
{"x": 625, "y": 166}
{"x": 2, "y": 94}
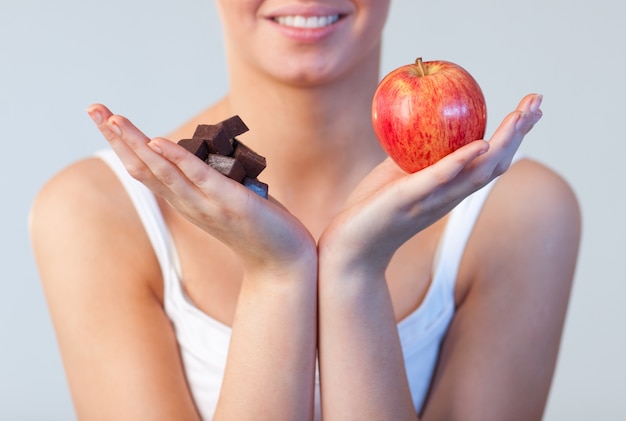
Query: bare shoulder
{"x": 530, "y": 226}
{"x": 84, "y": 189}
{"x": 535, "y": 194}
{"x": 531, "y": 214}
{"x": 81, "y": 219}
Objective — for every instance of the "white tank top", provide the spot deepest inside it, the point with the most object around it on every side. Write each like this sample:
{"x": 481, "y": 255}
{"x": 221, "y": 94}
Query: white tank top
{"x": 204, "y": 341}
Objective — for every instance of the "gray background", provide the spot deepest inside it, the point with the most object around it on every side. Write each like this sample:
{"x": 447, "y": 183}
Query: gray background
{"x": 160, "y": 61}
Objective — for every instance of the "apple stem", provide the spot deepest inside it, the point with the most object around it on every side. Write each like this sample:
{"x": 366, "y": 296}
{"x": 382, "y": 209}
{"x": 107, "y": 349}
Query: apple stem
{"x": 420, "y": 66}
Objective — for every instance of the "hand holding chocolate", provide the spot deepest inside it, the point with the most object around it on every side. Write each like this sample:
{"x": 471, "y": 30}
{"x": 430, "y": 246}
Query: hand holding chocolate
{"x": 218, "y": 146}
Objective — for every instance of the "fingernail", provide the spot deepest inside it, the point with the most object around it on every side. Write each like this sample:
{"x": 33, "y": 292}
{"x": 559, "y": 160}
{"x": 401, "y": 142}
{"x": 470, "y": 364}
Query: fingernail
{"x": 115, "y": 128}
{"x": 95, "y": 115}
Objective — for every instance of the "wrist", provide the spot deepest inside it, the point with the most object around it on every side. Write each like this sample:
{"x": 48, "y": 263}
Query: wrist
{"x": 351, "y": 260}
{"x": 300, "y": 264}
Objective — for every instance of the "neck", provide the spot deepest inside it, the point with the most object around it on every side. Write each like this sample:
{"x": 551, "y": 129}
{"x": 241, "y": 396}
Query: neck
{"x": 298, "y": 128}
{"x": 318, "y": 140}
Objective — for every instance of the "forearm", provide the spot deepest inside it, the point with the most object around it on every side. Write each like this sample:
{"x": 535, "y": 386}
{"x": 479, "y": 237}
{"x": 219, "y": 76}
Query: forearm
{"x": 270, "y": 371}
{"x": 362, "y": 372}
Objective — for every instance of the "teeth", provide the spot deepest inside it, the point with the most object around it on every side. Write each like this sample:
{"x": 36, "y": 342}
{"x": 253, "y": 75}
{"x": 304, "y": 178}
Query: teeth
{"x": 307, "y": 22}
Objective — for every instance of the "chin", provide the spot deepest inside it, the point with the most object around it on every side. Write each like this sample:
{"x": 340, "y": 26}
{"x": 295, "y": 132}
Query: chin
{"x": 314, "y": 69}
{"x": 308, "y": 74}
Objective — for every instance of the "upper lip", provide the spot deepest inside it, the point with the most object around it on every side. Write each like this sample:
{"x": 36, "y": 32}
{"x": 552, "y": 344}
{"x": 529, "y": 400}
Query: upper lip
{"x": 305, "y": 10}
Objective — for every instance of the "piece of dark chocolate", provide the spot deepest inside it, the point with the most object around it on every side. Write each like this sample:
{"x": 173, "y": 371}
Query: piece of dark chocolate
{"x": 196, "y": 146}
{"x": 251, "y": 161}
{"x": 256, "y": 186}
{"x": 228, "y": 166}
{"x": 234, "y": 126}
{"x": 216, "y": 144}
{"x": 217, "y": 139}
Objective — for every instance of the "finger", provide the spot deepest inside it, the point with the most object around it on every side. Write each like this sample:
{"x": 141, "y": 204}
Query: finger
{"x": 130, "y": 145}
{"x": 507, "y": 139}
{"x": 474, "y": 165}
{"x": 222, "y": 206}
{"x": 102, "y": 117}
{"x": 107, "y": 125}
{"x": 128, "y": 133}
{"x": 525, "y": 103}
{"x": 138, "y": 158}
{"x": 99, "y": 115}
{"x": 435, "y": 189}
{"x": 180, "y": 170}
{"x": 531, "y": 114}
{"x": 419, "y": 199}
{"x": 505, "y": 142}
{"x": 449, "y": 167}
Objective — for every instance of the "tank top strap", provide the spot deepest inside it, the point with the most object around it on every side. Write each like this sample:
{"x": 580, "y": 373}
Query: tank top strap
{"x": 150, "y": 215}
{"x": 455, "y": 237}
{"x": 457, "y": 232}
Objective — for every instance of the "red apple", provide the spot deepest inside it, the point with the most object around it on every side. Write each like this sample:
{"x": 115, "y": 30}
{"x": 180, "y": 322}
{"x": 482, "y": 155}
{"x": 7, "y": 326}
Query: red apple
{"x": 421, "y": 112}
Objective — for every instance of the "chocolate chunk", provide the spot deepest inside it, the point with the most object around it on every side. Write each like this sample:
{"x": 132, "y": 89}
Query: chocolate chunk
{"x": 251, "y": 161}
{"x": 217, "y": 139}
{"x": 216, "y": 144}
{"x": 196, "y": 146}
{"x": 234, "y": 126}
{"x": 228, "y": 166}
{"x": 256, "y": 186}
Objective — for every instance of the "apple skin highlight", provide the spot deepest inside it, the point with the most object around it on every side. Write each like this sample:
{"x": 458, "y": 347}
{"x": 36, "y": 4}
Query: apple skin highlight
{"x": 423, "y": 111}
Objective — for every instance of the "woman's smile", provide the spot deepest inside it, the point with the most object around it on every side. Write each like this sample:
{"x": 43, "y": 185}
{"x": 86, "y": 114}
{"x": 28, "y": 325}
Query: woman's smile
{"x": 306, "y": 21}
{"x": 307, "y": 24}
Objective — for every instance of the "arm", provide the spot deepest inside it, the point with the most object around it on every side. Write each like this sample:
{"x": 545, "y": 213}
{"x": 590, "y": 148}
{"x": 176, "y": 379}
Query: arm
{"x": 499, "y": 356}
{"x": 270, "y": 366}
{"x": 362, "y": 370}
{"x": 118, "y": 348}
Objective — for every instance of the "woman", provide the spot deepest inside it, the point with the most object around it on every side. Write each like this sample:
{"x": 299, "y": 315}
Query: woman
{"x": 416, "y": 298}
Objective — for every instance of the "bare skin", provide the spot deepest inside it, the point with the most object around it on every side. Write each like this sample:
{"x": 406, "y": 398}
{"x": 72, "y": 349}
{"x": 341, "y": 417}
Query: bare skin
{"x": 511, "y": 293}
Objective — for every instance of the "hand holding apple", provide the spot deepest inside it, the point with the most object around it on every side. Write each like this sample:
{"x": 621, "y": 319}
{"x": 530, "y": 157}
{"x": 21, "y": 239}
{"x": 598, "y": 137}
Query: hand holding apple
{"x": 422, "y": 112}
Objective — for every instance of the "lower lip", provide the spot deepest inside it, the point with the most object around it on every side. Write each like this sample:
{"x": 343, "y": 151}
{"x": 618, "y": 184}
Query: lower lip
{"x": 307, "y": 35}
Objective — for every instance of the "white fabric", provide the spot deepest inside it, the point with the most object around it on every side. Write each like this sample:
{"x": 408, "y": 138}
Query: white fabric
{"x": 204, "y": 341}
